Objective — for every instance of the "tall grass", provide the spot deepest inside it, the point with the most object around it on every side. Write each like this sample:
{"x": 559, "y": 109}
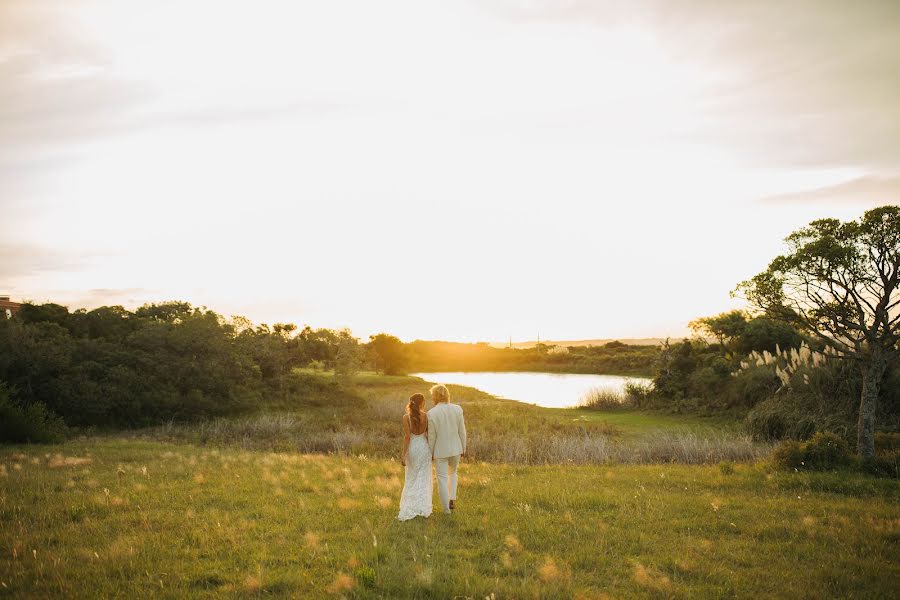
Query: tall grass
{"x": 366, "y": 419}
{"x": 605, "y": 399}
{"x": 536, "y": 446}
{"x": 282, "y": 432}
{"x": 585, "y": 449}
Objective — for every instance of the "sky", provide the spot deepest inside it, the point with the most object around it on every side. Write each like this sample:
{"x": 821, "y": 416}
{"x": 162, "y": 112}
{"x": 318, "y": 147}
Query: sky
{"x": 470, "y": 170}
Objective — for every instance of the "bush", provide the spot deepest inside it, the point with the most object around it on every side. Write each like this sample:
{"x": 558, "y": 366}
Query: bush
{"x": 750, "y": 387}
{"x": 638, "y": 394}
{"x": 792, "y": 416}
{"x": 827, "y": 451}
{"x": 887, "y": 465}
{"x": 767, "y": 422}
{"x": 887, "y": 442}
{"x": 27, "y": 423}
{"x": 789, "y": 455}
{"x": 823, "y": 452}
{"x": 604, "y": 399}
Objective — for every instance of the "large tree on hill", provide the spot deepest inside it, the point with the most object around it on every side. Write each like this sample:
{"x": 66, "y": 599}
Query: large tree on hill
{"x": 838, "y": 283}
{"x": 388, "y": 353}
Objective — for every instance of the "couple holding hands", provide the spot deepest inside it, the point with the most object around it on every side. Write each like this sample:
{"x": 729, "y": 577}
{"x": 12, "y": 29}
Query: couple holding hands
{"x": 438, "y": 434}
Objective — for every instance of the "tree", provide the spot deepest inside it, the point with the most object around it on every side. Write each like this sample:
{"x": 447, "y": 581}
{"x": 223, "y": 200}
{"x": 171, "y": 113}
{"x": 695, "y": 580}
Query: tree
{"x": 676, "y": 363}
{"x": 766, "y": 333}
{"x": 348, "y": 358}
{"x": 838, "y": 282}
{"x": 724, "y": 327}
{"x": 167, "y": 312}
{"x": 285, "y": 330}
{"x": 389, "y": 354}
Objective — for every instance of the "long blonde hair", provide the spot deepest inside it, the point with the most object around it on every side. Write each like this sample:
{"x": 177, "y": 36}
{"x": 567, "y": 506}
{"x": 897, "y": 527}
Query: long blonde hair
{"x": 440, "y": 393}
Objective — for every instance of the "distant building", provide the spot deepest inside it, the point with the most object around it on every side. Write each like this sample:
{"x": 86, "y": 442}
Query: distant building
{"x": 8, "y": 308}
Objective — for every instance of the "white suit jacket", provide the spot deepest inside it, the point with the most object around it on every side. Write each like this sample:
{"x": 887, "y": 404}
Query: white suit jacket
{"x": 446, "y": 430}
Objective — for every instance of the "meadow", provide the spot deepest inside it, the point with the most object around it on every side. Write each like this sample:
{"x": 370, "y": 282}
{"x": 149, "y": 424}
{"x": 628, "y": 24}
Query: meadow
{"x": 299, "y": 501}
{"x": 362, "y": 416}
{"x": 125, "y": 518}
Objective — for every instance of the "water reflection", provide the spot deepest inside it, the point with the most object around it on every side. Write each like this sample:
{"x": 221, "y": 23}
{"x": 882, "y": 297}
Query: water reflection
{"x": 553, "y": 390}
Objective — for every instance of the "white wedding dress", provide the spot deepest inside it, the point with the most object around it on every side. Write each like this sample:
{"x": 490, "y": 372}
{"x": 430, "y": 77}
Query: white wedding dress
{"x": 415, "y": 501}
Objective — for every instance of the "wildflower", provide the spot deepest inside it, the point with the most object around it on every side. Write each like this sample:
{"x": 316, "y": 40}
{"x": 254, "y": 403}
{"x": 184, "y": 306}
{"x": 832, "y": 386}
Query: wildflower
{"x": 347, "y": 503}
{"x": 549, "y": 571}
{"x": 341, "y": 583}
{"x": 651, "y": 578}
{"x": 311, "y": 540}
{"x": 512, "y": 542}
{"x": 252, "y": 584}
{"x": 424, "y": 575}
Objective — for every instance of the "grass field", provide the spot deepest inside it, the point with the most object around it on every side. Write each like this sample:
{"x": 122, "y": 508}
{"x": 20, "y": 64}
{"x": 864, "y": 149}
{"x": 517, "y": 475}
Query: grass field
{"x": 363, "y": 417}
{"x": 119, "y": 518}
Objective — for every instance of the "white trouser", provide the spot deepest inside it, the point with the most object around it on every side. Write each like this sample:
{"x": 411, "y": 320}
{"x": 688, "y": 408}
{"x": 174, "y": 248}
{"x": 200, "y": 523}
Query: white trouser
{"x": 444, "y": 467}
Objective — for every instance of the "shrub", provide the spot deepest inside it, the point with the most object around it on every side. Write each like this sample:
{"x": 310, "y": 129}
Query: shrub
{"x": 887, "y": 442}
{"x": 604, "y": 399}
{"x": 638, "y": 394}
{"x": 827, "y": 451}
{"x": 886, "y": 465}
{"x": 767, "y": 422}
{"x": 751, "y": 386}
{"x": 789, "y": 455}
{"x": 27, "y": 422}
{"x": 792, "y": 415}
{"x": 824, "y": 451}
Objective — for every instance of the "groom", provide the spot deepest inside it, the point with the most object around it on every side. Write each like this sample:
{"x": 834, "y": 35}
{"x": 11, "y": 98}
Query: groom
{"x": 447, "y": 440}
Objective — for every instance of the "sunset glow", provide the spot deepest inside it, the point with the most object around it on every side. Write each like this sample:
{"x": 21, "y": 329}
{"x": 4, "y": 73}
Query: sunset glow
{"x": 461, "y": 171}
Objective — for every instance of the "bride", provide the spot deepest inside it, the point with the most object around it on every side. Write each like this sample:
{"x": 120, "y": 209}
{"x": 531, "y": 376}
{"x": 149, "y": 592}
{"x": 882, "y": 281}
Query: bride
{"x": 415, "y": 501}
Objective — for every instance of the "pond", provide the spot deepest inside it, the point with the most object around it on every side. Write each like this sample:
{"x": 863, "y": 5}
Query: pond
{"x": 553, "y": 390}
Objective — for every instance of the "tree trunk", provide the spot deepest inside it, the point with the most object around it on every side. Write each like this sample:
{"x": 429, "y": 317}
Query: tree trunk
{"x": 872, "y": 372}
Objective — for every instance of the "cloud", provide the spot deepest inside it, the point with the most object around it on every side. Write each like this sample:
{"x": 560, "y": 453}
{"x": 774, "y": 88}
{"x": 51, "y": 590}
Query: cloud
{"x": 89, "y": 299}
{"x": 23, "y": 260}
{"x": 55, "y": 86}
{"x": 92, "y": 298}
{"x": 810, "y": 83}
{"x": 862, "y": 191}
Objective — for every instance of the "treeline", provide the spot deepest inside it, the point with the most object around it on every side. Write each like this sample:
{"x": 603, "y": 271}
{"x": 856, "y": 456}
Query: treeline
{"x": 113, "y": 367}
{"x": 785, "y": 384}
{"x": 822, "y": 353}
{"x": 611, "y": 358}
{"x": 161, "y": 362}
